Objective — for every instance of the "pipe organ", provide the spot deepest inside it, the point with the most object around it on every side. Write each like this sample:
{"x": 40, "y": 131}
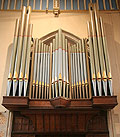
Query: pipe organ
{"x": 59, "y": 84}
{"x": 61, "y": 64}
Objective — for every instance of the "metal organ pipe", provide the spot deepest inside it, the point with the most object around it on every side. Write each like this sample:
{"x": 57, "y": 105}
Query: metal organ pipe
{"x": 99, "y": 58}
{"x": 12, "y": 62}
{"x": 19, "y": 52}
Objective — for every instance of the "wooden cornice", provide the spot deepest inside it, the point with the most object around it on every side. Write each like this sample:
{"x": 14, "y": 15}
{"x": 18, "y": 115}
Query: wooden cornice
{"x": 24, "y": 103}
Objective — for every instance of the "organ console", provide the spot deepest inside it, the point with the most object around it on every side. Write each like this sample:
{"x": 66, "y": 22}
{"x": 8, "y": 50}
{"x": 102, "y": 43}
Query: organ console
{"x": 60, "y": 69}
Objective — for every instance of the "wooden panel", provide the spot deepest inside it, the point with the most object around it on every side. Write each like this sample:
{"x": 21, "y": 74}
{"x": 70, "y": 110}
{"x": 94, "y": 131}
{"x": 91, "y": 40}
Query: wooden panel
{"x": 39, "y": 121}
{"x": 74, "y": 122}
{"x": 25, "y": 124}
{"x": 57, "y": 122}
{"x": 46, "y": 122}
{"x": 52, "y": 123}
{"x": 68, "y": 122}
{"x": 63, "y": 123}
{"x": 81, "y": 123}
{"x": 17, "y": 124}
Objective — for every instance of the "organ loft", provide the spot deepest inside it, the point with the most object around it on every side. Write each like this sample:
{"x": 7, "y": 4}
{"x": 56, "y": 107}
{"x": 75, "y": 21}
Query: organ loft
{"x": 60, "y": 84}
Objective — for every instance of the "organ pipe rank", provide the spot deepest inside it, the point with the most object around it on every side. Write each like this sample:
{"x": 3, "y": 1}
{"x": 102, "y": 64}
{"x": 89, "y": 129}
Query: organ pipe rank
{"x": 59, "y": 64}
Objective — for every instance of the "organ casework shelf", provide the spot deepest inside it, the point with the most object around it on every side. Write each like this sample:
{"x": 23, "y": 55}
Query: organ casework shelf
{"x": 59, "y": 70}
{"x": 26, "y": 104}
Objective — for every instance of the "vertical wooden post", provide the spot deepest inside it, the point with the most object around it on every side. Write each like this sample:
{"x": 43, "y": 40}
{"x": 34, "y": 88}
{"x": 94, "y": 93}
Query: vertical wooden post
{"x": 97, "y": 4}
{"x": 110, "y": 4}
{"x": 50, "y": 70}
{"x": 65, "y": 4}
{"x": 2, "y": 5}
{"x": 8, "y": 6}
{"x": 78, "y": 4}
{"x": 28, "y": 1}
{"x": 21, "y": 4}
{"x": 47, "y": 4}
{"x": 104, "y": 5}
{"x": 33, "y": 4}
{"x": 69, "y": 68}
{"x": 40, "y": 4}
{"x": 84, "y": 4}
{"x": 71, "y": 4}
{"x": 118, "y": 4}
{"x": 15, "y": 2}
{"x": 88, "y": 69}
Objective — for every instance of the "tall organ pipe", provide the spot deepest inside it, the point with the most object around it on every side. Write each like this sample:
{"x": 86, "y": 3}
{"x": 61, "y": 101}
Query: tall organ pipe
{"x": 43, "y": 72}
{"x": 72, "y": 81}
{"x": 78, "y": 67}
{"x": 38, "y": 68}
{"x": 92, "y": 64}
{"x": 41, "y": 69}
{"x": 27, "y": 65}
{"x": 35, "y": 66}
{"x": 60, "y": 61}
{"x": 76, "y": 71}
{"x": 101, "y": 55}
{"x": 48, "y": 72}
{"x": 53, "y": 68}
{"x": 56, "y": 62}
{"x": 50, "y": 85}
{"x": 24, "y": 50}
{"x": 95, "y": 45}
{"x": 13, "y": 56}
{"x": 64, "y": 64}
{"x": 85, "y": 68}
{"x": 19, "y": 51}
{"x": 46, "y": 67}
{"x": 106, "y": 55}
{"x": 82, "y": 69}
{"x": 32, "y": 68}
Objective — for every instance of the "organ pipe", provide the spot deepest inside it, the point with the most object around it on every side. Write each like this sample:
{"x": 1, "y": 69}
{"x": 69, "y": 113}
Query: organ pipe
{"x": 95, "y": 48}
{"x": 27, "y": 65}
{"x": 12, "y": 62}
{"x": 25, "y": 44}
{"x": 19, "y": 51}
{"x": 108, "y": 68}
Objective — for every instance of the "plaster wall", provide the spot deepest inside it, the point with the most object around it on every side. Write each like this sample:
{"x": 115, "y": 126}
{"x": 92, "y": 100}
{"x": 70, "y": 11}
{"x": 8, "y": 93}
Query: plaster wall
{"x": 75, "y": 23}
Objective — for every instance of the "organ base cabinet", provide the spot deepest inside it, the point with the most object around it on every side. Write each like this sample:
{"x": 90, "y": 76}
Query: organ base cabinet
{"x": 60, "y": 116}
{"x": 59, "y": 123}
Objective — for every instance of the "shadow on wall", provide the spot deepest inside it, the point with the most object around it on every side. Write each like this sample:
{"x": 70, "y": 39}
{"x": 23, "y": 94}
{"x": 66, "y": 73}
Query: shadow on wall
{"x": 6, "y": 71}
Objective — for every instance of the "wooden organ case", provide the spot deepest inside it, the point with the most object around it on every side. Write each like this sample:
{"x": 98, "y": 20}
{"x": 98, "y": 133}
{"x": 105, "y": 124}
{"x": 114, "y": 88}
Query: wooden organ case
{"x": 59, "y": 85}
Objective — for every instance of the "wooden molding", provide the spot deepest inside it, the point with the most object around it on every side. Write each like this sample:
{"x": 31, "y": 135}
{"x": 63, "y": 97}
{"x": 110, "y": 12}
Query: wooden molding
{"x": 60, "y": 102}
{"x": 26, "y": 104}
